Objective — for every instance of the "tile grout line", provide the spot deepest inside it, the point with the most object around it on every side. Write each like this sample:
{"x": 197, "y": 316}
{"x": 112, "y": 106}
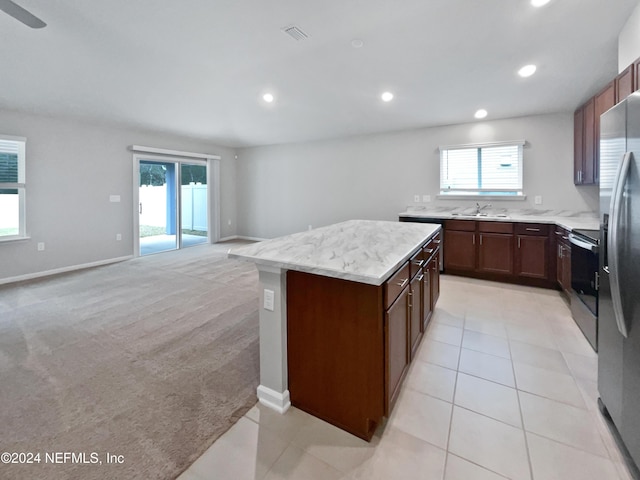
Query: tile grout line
{"x": 453, "y": 400}
{"x": 524, "y": 431}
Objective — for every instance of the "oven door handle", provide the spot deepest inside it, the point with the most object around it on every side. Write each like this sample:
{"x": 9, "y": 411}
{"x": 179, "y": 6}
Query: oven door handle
{"x": 582, "y": 244}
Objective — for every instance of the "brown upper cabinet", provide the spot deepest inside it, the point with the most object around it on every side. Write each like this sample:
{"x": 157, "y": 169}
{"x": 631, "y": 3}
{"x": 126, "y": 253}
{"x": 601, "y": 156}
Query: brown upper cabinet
{"x": 625, "y": 83}
{"x": 603, "y": 102}
{"x": 586, "y": 124}
{"x": 584, "y": 158}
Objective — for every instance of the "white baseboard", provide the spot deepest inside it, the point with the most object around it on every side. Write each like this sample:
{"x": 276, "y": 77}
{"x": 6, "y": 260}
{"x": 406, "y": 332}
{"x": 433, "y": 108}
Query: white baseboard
{"x": 255, "y": 239}
{"x": 46, "y": 273}
{"x": 277, "y": 401}
{"x": 242, "y": 237}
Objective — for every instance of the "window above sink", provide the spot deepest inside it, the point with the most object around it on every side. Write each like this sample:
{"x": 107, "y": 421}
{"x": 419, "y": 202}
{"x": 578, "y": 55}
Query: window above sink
{"x": 488, "y": 170}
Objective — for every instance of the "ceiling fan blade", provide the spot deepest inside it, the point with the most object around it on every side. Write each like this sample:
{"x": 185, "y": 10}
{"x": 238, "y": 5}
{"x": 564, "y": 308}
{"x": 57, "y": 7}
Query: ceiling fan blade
{"x": 20, "y": 14}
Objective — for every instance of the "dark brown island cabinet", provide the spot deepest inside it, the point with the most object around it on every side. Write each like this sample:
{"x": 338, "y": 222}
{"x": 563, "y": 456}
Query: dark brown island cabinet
{"x": 500, "y": 251}
{"x": 349, "y": 344}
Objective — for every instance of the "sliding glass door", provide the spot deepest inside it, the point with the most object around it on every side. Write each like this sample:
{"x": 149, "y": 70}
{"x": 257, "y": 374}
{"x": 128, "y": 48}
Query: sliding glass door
{"x": 172, "y": 205}
{"x": 194, "y": 198}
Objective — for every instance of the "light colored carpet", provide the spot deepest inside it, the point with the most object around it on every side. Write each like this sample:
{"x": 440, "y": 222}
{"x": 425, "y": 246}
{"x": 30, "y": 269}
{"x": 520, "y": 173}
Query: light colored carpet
{"x": 151, "y": 359}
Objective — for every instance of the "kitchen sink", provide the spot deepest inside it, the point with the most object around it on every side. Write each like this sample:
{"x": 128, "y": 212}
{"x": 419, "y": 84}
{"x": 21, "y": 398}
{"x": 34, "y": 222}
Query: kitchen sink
{"x": 480, "y": 215}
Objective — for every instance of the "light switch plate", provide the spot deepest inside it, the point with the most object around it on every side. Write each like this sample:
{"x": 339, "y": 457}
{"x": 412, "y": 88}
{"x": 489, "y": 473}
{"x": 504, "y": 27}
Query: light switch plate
{"x": 269, "y": 300}
{"x": 416, "y": 198}
{"x": 426, "y": 198}
{"x": 114, "y": 198}
{"x": 538, "y": 200}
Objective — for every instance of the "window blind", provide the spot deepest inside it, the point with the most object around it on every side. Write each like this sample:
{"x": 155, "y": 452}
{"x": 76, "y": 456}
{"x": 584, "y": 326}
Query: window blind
{"x": 481, "y": 170}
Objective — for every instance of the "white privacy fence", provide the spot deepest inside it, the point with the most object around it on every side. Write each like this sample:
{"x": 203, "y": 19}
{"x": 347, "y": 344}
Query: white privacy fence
{"x": 9, "y": 211}
{"x": 153, "y": 200}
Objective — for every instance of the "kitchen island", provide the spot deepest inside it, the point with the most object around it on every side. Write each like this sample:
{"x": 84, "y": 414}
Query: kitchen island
{"x": 342, "y": 310}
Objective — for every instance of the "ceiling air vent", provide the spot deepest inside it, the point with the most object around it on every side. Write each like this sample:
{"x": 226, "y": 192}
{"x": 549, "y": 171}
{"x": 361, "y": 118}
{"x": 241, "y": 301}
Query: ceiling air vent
{"x": 295, "y": 33}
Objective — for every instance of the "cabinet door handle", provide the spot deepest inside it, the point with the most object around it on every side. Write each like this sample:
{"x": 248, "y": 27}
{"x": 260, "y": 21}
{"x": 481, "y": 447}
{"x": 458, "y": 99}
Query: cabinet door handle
{"x": 429, "y": 250}
{"x": 474, "y": 238}
{"x": 480, "y": 239}
{"x": 532, "y": 229}
{"x": 437, "y": 241}
{"x": 403, "y": 283}
{"x": 420, "y": 278}
{"x": 518, "y": 242}
{"x": 565, "y": 238}
{"x": 418, "y": 262}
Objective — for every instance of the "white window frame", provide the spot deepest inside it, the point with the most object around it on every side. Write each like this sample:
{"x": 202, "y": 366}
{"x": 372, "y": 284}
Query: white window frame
{"x": 21, "y": 186}
{"x": 506, "y": 194}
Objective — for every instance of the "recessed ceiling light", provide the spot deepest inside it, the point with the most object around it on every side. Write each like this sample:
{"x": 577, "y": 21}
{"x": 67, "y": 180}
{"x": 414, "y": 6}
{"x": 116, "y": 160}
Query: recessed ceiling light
{"x": 267, "y": 97}
{"x": 539, "y": 3}
{"x": 527, "y": 71}
{"x": 357, "y": 43}
{"x": 387, "y": 96}
{"x": 481, "y": 113}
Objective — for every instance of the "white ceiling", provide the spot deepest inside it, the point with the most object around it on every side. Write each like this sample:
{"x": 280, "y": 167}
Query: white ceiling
{"x": 199, "y": 67}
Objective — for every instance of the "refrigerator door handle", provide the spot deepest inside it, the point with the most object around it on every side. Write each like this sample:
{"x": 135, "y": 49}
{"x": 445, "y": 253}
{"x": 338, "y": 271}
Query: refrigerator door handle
{"x": 616, "y": 201}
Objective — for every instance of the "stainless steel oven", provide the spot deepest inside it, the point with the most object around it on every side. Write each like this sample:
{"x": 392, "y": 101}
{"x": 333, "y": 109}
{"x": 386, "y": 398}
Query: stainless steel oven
{"x": 584, "y": 282}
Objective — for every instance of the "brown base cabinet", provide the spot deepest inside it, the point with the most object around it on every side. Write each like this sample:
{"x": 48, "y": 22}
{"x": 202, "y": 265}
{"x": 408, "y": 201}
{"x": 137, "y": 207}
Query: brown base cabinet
{"x": 495, "y": 247}
{"x": 435, "y": 276}
{"x": 460, "y": 241}
{"x": 349, "y": 344}
{"x": 501, "y": 251}
{"x": 396, "y": 347}
{"x": 415, "y": 314}
{"x": 532, "y": 253}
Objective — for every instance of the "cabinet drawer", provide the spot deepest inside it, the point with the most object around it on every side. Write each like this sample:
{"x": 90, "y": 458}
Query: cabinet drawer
{"x": 415, "y": 263}
{"x": 541, "y": 229}
{"x": 394, "y": 286}
{"x": 437, "y": 239}
{"x": 460, "y": 225}
{"x": 495, "y": 227}
{"x": 562, "y": 235}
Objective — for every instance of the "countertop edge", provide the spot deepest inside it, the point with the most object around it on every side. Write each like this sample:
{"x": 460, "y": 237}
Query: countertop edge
{"x": 332, "y": 273}
{"x": 566, "y": 224}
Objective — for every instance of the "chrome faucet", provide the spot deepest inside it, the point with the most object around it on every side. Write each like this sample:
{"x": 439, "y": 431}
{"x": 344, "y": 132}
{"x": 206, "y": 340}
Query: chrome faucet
{"x": 479, "y": 208}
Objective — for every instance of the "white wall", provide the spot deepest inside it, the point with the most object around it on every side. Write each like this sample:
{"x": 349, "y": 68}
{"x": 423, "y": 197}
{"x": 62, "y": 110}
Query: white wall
{"x": 629, "y": 41}
{"x": 72, "y": 168}
{"x": 284, "y": 188}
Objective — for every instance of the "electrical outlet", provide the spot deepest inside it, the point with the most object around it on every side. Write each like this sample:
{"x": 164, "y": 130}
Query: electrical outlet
{"x": 114, "y": 198}
{"x": 426, "y": 198}
{"x": 310, "y": 227}
{"x": 538, "y": 200}
{"x": 269, "y": 300}
{"x": 229, "y": 222}
{"x": 118, "y": 236}
{"x": 416, "y": 198}
{"x": 41, "y": 246}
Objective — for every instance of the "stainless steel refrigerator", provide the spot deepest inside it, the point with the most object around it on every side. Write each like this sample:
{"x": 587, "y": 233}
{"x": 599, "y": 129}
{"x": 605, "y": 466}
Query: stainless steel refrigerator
{"x": 619, "y": 295}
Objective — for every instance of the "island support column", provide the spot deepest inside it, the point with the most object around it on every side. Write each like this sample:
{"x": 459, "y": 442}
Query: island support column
{"x": 274, "y": 387}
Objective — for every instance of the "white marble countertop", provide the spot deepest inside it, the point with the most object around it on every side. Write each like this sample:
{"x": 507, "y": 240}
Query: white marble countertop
{"x": 365, "y": 251}
{"x": 568, "y": 220}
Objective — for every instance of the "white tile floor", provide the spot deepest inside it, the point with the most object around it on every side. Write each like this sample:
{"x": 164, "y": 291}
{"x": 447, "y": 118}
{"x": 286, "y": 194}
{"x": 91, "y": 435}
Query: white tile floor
{"x": 503, "y": 386}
